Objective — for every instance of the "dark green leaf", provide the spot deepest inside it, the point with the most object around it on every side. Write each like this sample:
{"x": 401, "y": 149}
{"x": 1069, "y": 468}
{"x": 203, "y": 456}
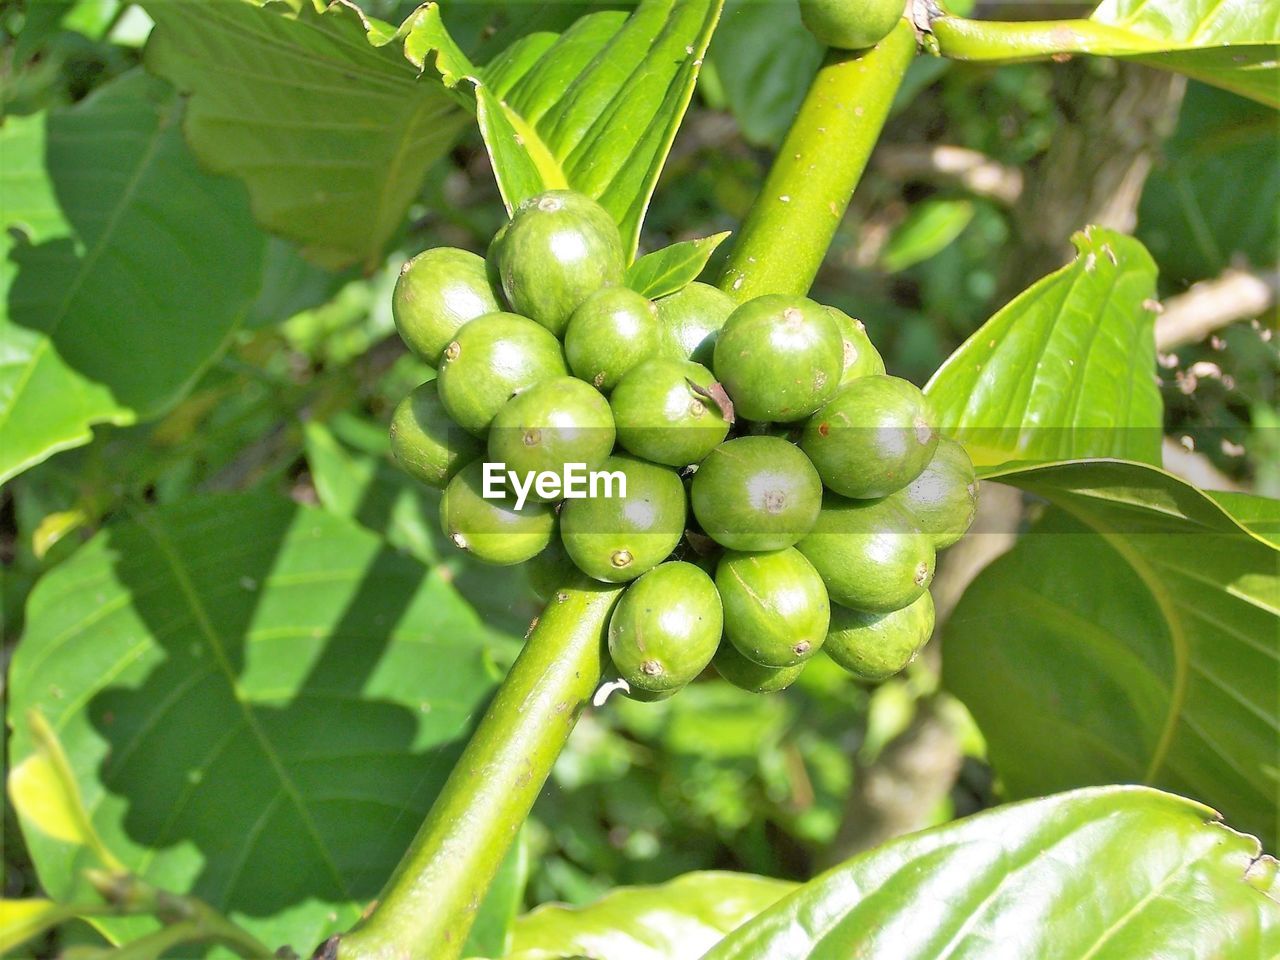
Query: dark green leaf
{"x": 1132, "y": 635}
{"x": 679, "y": 920}
{"x": 764, "y": 57}
{"x": 672, "y": 268}
{"x": 1066, "y": 369}
{"x": 317, "y": 110}
{"x": 1108, "y": 872}
{"x": 123, "y": 266}
{"x": 1193, "y": 227}
{"x": 595, "y": 108}
{"x": 258, "y": 700}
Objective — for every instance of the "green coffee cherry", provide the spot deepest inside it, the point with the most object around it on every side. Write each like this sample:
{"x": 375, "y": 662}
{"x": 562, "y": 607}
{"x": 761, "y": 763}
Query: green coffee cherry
{"x": 559, "y": 248}
{"x": 690, "y": 320}
{"x": 660, "y": 415}
{"x": 873, "y": 438}
{"x": 944, "y": 498}
{"x": 614, "y": 329}
{"x": 553, "y": 423}
{"x": 426, "y": 442}
{"x": 617, "y": 538}
{"x": 437, "y": 292}
{"x": 493, "y": 530}
{"x": 490, "y": 360}
{"x": 861, "y": 358}
{"x": 756, "y": 493}
{"x": 850, "y": 24}
{"x": 779, "y": 357}
{"x": 550, "y": 570}
{"x": 776, "y": 610}
{"x": 869, "y": 553}
{"x": 751, "y": 676}
{"x": 666, "y": 628}
{"x": 875, "y": 646}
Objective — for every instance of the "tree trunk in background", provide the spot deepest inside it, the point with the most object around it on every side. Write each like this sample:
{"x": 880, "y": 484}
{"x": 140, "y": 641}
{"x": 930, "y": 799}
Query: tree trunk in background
{"x": 1115, "y": 118}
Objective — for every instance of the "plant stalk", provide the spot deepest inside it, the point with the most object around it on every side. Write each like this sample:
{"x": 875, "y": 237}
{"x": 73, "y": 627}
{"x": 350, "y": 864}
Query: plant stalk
{"x": 993, "y": 40}
{"x": 785, "y": 236}
{"x": 430, "y": 902}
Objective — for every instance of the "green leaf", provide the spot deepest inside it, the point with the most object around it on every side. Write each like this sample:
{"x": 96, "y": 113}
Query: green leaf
{"x": 679, "y": 920}
{"x": 491, "y": 932}
{"x": 23, "y": 920}
{"x": 1066, "y": 369}
{"x": 927, "y": 230}
{"x": 318, "y": 111}
{"x": 1228, "y": 43}
{"x": 123, "y": 267}
{"x": 1132, "y": 636}
{"x": 595, "y": 108}
{"x": 765, "y": 58}
{"x": 1109, "y": 872}
{"x": 672, "y": 268}
{"x": 1193, "y": 227}
{"x": 258, "y": 701}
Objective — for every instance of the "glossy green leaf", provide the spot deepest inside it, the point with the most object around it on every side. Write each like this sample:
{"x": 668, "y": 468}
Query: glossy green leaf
{"x": 241, "y": 683}
{"x": 315, "y": 108}
{"x": 1132, "y": 636}
{"x": 594, "y": 108}
{"x": 1114, "y": 872}
{"x": 927, "y": 230}
{"x": 1193, "y": 227}
{"x": 672, "y": 268}
{"x": 679, "y": 920}
{"x": 123, "y": 267}
{"x": 1229, "y": 43}
{"x": 1066, "y": 369}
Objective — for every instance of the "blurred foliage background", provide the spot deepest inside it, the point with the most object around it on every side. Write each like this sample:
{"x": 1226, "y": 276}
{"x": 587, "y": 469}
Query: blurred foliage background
{"x": 300, "y": 399}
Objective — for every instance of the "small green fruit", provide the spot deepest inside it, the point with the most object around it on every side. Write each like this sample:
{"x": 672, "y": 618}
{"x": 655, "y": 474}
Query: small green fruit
{"x": 426, "y": 442}
{"x": 559, "y": 248}
{"x": 690, "y": 320}
{"x": 662, "y": 417}
{"x": 776, "y": 610}
{"x": 492, "y": 359}
{"x": 437, "y": 292}
{"x": 875, "y": 646}
{"x": 873, "y": 438}
{"x": 869, "y": 553}
{"x": 850, "y": 24}
{"x": 551, "y": 424}
{"x": 493, "y": 530}
{"x": 751, "y": 676}
{"x": 944, "y": 498}
{"x": 613, "y": 330}
{"x": 861, "y": 358}
{"x": 756, "y": 493}
{"x": 666, "y": 628}
{"x": 617, "y": 538}
{"x": 779, "y": 357}
{"x": 550, "y": 570}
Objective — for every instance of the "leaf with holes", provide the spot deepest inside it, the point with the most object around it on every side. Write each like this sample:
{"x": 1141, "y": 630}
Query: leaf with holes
{"x": 1064, "y": 370}
{"x": 239, "y": 683}
{"x": 679, "y": 920}
{"x": 123, "y": 267}
{"x": 672, "y": 268}
{"x": 316, "y": 109}
{"x": 1233, "y": 44}
{"x": 594, "y": 108}
{"x": 1132, "y": 635}
{"x": 1107, "y": 872}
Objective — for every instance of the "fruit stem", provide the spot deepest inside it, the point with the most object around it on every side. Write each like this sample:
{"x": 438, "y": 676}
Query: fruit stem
{"x": 993, "y": 40}
{"x": 430, "y": 902}
{"x": 787, "y": 232}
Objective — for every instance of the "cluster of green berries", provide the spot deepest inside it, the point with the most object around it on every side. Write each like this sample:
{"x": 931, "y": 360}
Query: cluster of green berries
{"x": 782, "y": 494}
